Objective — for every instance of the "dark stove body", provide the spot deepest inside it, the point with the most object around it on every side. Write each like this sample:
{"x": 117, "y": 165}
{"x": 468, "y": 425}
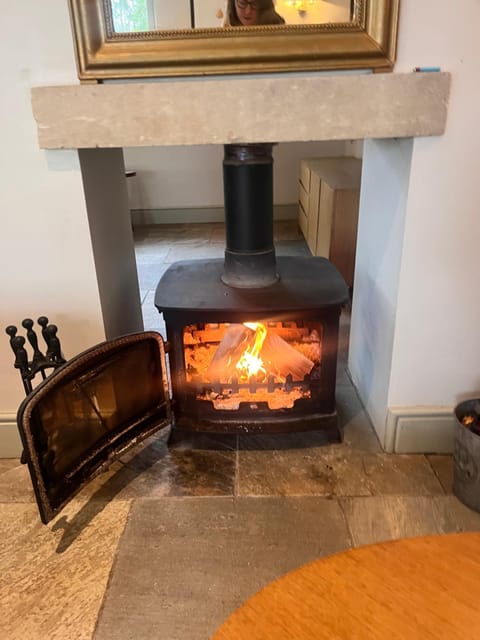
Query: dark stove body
{"x": 309, "y": 293}
{"x": 252, "y": 285}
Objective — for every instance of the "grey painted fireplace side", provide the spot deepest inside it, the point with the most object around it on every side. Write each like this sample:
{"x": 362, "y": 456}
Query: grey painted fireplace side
{"x": 105, "y": 188}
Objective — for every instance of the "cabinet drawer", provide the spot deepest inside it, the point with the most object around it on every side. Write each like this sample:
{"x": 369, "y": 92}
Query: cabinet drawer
{"x": 313, "y": 213}
{"x": 305, "y": 175}
{"x": 302, "y": 219}
{"x": 303, "y": 197}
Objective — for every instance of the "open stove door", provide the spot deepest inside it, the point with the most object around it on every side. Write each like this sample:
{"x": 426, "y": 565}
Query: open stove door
{"x": 89, "y": 412}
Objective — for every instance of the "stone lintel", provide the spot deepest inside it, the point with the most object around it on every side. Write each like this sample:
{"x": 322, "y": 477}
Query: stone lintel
{"x": 255, "y": 109}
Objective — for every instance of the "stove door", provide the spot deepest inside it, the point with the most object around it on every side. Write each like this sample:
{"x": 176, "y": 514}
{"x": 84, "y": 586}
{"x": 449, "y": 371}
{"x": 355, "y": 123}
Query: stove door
{"x": 89, "y": 412}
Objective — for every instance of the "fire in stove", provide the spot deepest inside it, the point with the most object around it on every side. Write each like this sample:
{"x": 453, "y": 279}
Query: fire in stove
{"x": 269, "y": 362}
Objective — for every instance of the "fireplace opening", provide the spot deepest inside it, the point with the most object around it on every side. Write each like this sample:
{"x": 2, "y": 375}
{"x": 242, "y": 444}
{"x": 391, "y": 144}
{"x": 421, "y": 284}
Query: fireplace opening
{"x": 261, "y": 362}
{"x": 252, "y": 343}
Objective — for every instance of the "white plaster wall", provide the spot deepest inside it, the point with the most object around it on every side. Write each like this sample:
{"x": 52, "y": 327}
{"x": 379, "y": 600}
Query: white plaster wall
{"x": 437, "y": 348}
{"x": 434, "y": 330}
{"x": 209, "y": 13}
{"x": 182, "y": 177}
{"x": 383, "y": 200}
{"x": 45, "y": 249}
{"x": 172, "y": 15}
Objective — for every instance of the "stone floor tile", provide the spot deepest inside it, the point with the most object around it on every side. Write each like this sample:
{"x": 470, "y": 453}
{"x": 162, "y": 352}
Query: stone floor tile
{"x": 53, "y": 578}
{"x": 7, "y": 464}
{"x": 357, "y": 428}
{"x": 374, "y": 519}
{"x": 196, "y": 440}
{"x": 333, "y": 470}
{"x": 443, "y": 467}
{"x": 15, "y": 484}
{"x": 396, "y": 474}
{"x": 143, "y": 295}
{"x": 282, "y": 441}
{"x": 153, "y": 252}
{"x": 156, "y": 469}
{"x": 456, "y": 517}
{"x": 172, "y": 233}
{"x": 218, "y": 233}
{"x": 328, "y": 470}
{"x": 291, "y": 248}
{"x": 379, "y": 518}
{"x": 287, "y": 230}
{"x": 343, "y": 374}
{"x": 198, "y": 252}
{"x": 150, "y": 274}
{"x": 152, "y": 318}
{"x": 199, "y": 559}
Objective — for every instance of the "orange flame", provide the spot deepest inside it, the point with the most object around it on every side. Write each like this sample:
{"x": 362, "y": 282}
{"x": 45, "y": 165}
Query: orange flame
{"x": 250, "y": 364}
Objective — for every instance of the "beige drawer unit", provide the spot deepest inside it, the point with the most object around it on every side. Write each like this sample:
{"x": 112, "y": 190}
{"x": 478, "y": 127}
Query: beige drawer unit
{"x": 329, "y": 192}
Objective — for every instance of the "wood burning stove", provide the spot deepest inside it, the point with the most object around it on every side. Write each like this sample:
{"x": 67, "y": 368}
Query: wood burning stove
{"x": 211, "y": 326}
{"x": 281, "y": 315}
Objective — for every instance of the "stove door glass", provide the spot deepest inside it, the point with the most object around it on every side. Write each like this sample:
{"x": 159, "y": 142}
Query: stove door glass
{"x": 90, "y": 411}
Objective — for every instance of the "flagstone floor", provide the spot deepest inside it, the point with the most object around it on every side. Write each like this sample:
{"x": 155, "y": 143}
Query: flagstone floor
{"x": 179, "y": 533}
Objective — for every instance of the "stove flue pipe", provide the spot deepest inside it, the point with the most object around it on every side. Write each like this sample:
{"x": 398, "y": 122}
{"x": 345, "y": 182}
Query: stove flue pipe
{"x": 248, "y": 191}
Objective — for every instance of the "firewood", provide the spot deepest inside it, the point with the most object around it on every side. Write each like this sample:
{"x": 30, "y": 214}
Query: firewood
{"x": 281, "y": 359}
{"x": 236, "y": 339}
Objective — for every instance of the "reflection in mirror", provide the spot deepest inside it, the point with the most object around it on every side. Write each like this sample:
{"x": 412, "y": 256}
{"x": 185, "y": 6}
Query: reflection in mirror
{"x": 150, "y": 15}
{"x": 159, "y": 38}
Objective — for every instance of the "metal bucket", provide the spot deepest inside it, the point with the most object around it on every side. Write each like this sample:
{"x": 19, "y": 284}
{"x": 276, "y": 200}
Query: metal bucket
{"x": 466, "y": 457}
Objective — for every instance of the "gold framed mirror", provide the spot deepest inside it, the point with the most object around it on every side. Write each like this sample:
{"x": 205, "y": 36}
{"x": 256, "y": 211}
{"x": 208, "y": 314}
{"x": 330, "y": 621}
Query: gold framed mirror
{"x": 365, "y": 40}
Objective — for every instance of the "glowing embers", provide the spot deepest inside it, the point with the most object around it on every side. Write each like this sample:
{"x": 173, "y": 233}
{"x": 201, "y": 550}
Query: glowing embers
{"x": 266, "y": 362}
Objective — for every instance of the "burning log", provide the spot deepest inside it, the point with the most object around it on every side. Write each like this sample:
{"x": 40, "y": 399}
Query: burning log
{"x": 234, "y": 342}
{"x": 266, "y": 352}
{"x": 282, "y": 360}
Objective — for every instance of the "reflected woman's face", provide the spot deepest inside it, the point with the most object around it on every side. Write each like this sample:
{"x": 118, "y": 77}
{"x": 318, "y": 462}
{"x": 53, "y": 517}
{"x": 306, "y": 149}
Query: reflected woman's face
{"x": 247, "y": 12}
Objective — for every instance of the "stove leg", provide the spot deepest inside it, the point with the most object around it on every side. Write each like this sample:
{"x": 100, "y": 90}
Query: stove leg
{"x": 334, "y": 434}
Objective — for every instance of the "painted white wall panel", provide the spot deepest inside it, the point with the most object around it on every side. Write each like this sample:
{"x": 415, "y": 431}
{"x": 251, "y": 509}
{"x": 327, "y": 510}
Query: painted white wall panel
{"x": 46, "y": 258}
{"x": 179, "y": 177}
{"x": 384, "y": 190}
{"x": 172, "y": 14}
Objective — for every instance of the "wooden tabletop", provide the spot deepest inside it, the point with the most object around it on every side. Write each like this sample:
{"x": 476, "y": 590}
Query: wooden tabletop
{"x": 416, "y": 588}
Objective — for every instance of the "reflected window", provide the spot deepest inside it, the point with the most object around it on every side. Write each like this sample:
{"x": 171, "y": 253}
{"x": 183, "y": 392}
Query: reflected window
{"x": 133, "y": 15}
{"x": 149, "y": 15}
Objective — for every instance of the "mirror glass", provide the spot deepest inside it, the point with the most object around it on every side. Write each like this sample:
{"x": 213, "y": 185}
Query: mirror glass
{"x": 157, "y": 15}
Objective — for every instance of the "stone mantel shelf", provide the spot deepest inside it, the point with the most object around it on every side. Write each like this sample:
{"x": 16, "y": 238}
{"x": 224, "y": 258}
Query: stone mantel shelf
{"x": 254, "y": 109}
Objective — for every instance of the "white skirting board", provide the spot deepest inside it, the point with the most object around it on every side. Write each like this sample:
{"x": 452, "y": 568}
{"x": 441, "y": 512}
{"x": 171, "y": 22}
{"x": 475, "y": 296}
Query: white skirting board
{"x": 10, "y": 443}
{"x": 200, "y": 215}
{"x": 419, "y": 430}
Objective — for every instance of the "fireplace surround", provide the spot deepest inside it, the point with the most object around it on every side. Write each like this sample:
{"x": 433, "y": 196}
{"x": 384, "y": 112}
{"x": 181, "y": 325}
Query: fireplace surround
{"x": 98, "y": 121}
